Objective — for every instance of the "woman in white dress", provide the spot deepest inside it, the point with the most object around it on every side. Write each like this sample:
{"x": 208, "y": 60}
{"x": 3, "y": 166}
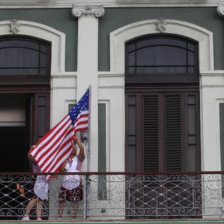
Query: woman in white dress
{"x": 40, "y": 190}
{"x": 71, "y": 189}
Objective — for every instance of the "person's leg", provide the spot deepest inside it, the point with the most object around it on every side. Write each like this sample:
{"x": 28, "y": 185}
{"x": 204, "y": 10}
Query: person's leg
{"x": 77, "y": 196}
{"x": 61, "y": 208}
{"x": 30, "y": 205}
{"x": 61, "y": 198}
{"x": 75, "y": 209}
{"x": 39, "y": 208}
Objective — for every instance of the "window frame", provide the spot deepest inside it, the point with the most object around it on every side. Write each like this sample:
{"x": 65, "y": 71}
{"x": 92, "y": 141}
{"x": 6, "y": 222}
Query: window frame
{"x": 161, "y": 78}
{"x": 163, "y": 91}
{"x": 27, "y": 79}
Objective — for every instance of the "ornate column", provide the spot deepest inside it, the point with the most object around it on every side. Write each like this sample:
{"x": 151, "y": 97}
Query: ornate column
{"x": 87, "y": 70}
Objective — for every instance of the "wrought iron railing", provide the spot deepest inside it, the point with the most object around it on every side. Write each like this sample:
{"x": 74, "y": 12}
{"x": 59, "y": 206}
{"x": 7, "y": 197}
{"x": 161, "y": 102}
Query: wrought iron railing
{"x": 118, "y": 196}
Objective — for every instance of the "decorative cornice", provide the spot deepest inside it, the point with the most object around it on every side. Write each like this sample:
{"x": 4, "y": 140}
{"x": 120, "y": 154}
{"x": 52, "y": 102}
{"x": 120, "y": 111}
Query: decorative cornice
{"x": 220, "y": 9}
{"x": 108, "y": 3}
{"x": 97, "y": 11}
{"x": 180, "y": 2}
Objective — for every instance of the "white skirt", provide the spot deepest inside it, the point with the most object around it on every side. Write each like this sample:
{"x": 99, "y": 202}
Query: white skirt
{"x": 71, "y": 181}
{"x": 41, "y": 187}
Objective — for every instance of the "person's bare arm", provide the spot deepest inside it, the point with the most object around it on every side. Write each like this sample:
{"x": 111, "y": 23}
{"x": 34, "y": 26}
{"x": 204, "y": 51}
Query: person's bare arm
{"x": 30, "y": 157}
{"x": 81, "y": 147}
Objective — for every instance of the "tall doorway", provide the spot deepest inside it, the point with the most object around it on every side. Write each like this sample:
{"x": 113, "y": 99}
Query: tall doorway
{"x": 24, "y": 118}
{"x": 14, "y": 132}
{"x": 24, "y": 98}
{"x": 24, "y": 109}
{"x": 162, "y": 122}
{"x": 163, "y": 129}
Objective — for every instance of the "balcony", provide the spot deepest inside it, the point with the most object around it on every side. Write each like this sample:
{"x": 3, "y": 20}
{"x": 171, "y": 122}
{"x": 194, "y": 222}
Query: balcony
{"x": 121, "y": 197}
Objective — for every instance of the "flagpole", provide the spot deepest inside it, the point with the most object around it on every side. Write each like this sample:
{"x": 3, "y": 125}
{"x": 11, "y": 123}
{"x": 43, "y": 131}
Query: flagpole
{"x": 89, "y": 129}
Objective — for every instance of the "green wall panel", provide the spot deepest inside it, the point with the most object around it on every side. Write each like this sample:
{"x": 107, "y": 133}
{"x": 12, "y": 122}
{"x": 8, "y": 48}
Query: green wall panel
{"x": 60, "y": 19}
{"x": 102, "y": 190}
{"x": 115, "y": 18}
{"x": 102, "y": 137}
{"x": 221, "y": 114}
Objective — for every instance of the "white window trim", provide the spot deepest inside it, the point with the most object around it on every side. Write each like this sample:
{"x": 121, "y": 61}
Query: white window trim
{"x": 119, "y": 37}
{"x": 37, "y": 30}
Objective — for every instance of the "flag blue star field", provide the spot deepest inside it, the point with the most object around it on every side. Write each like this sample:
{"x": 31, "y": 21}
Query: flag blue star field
{"x": 56, "y": 146}
{"x": 79, "y": 113}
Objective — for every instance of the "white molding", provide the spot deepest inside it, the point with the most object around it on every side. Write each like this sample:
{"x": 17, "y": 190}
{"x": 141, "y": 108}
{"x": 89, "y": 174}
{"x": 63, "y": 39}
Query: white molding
{"x": 37, "y": 30}
{"x": 212, "y": 80}
{"x": 62, "y": 87}
{"x": 64, "y": 75}
{"x": 119, "y": 37}
{"x": 171, "y": 2}
{"x": 213, "y": 73}
{"x": 220, "y": 9}
{"x": 109, "y": 75}
{"x": 111, "y": 81}
{"x": 97, "y": 11}
{"x": 211, "y": 86}
{"x": 107, "y": 3}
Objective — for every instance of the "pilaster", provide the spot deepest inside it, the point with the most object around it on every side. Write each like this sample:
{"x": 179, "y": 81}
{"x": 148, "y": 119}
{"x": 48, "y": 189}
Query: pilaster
{"x": 87, "y": 69}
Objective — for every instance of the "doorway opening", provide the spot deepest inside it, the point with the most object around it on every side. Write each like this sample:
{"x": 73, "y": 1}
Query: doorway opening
{"x": 162, "y": 126}
{"x": 24, "y": 98}
{"x": 14, "y": 132}
{"x": 24, "y": 112}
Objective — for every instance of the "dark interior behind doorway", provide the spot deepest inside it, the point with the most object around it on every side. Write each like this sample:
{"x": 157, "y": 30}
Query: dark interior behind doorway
{"x": 13, "y": 146}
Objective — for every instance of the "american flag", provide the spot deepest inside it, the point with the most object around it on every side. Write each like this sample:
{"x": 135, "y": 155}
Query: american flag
{"x": 56, "y": 145}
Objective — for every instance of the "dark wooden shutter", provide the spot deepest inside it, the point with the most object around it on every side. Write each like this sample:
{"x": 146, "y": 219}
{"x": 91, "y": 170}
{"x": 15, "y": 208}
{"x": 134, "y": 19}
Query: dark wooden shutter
{"x": 41, "y": 115}
{"x": 151, "y": 132}
{"x": 162, "y": 117}
{"x": 172, "y": 132}
{"x": 162, "y": 131}
{"x": 131, "y": 133}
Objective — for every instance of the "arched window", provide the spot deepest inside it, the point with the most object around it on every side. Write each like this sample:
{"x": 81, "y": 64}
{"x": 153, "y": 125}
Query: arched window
{"x": 24, "y": 58}
{"x": 162, "y": 114}
{"x": 162, "y": 54}
{"x": 162, "y": 103}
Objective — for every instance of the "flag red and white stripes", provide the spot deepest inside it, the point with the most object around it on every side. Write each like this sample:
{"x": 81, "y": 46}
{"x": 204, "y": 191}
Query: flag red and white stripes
{"x": 55, "y": 147}
{"x": 82, "y": 122}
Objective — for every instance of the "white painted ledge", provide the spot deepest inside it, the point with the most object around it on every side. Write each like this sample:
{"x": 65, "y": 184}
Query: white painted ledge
{"x": 107, "y": 3}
